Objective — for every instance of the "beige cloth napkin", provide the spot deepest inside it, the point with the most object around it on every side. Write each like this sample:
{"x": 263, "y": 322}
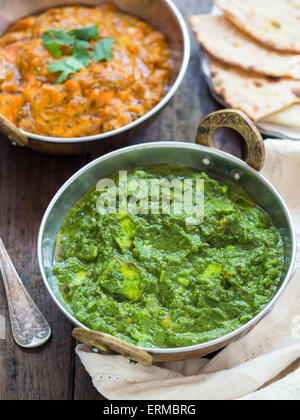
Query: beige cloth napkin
{"x": 239, "y": 371}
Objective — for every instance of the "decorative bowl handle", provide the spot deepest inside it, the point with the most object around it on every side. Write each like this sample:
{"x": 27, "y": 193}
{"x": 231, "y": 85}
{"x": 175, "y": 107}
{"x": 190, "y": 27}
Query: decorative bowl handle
{"x": 105, "y": 342}
{"x": 12, "y": 132}
{"x": 238, "y": 121}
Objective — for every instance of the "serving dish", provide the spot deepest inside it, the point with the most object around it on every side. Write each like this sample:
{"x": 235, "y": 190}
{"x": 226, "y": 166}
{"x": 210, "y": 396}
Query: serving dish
{"x": 163, "y": 15}
{"x": 198, "y": 156}
{"x": 268, "y": 129}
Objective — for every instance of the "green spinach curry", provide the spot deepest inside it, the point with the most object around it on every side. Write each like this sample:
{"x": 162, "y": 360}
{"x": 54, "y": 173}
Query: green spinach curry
{"x": 154, "y": 281}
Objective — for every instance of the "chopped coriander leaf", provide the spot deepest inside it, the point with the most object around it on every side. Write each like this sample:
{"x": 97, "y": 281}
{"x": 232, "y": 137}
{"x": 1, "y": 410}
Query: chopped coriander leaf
{"x": 82, "y": 55}
{"x": 68, "y": 66}
{"x": 54, "y": 48}
{"x": 82, "y": 44}
{"x": 84, "y": 34}
{"x": 54, "y": 39}
{"x": 103, "y": 50}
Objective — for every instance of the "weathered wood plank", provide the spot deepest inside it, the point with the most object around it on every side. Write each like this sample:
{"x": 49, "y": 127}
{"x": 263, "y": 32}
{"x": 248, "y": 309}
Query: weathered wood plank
{"x": 28, "y": 181}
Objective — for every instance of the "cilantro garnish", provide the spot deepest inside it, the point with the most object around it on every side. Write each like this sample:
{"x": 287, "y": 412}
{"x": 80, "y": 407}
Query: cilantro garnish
{"x": 54, "y": 39}
{"x": 103, "y": 50}
{"x": 69, "y": 65}
{"x": 82, "y": 44}
{"x": 81, "y": 49}
{"x": 82, "y": 55}
{"x": 84, "y": 34}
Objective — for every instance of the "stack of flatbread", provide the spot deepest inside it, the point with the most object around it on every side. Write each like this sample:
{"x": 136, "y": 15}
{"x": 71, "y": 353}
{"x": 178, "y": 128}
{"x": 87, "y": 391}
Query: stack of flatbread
{"x": 254, "y": 50}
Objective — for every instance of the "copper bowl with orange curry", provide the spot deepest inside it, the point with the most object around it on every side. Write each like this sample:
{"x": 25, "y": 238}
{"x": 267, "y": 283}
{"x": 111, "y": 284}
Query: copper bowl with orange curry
{"x": 79, "y": 74}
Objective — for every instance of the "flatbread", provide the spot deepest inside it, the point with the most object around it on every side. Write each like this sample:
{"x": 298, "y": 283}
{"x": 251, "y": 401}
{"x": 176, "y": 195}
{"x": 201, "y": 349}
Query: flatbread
{"x": 275, "y": 23}
{"x": 2, "y": 68}
{"x": 227, "y": 43}
{"x": 289, "y": 117}
{"x": 258, "y": 96}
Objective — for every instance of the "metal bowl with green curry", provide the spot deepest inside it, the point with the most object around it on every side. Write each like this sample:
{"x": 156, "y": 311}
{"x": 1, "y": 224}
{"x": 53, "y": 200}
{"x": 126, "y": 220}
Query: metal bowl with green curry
{"x": 149, "y": 281}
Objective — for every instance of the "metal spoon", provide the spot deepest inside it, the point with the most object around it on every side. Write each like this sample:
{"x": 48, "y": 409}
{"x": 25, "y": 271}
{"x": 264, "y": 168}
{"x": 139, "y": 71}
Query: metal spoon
{"x": 29, "y": 327}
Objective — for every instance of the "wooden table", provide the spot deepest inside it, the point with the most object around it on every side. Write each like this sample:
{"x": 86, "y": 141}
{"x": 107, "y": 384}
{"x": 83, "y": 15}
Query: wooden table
{"x": 28, "y": 181}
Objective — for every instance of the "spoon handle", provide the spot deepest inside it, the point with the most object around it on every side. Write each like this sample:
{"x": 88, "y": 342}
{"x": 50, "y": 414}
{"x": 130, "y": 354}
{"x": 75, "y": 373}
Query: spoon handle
{"x": 29, "y": 327}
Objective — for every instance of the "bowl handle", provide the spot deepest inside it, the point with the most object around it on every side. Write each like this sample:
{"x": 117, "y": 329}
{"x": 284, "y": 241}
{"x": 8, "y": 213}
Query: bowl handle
{"x": 105, "y": 342}
{"x": 12, "y": 132}
{"x": 238, "y": 121}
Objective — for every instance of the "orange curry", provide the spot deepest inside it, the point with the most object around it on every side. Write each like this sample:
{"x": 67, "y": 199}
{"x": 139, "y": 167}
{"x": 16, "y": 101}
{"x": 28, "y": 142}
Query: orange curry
{"x": 101, "y": 97}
